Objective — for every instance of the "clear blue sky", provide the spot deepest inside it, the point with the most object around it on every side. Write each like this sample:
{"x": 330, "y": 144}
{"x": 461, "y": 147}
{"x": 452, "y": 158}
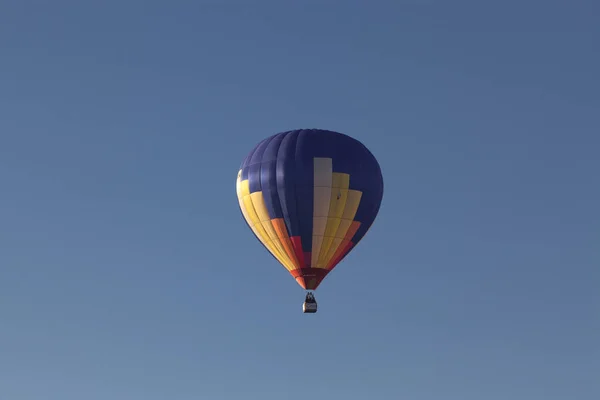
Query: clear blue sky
{"x": 127, "y": 272}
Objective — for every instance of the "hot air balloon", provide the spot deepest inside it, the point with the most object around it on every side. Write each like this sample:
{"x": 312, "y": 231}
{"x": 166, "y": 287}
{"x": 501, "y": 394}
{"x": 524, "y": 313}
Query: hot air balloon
{"x": 309, "y": 196}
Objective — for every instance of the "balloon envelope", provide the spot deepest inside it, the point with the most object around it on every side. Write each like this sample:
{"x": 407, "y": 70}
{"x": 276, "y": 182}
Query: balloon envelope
{"x": 309, "y": 196}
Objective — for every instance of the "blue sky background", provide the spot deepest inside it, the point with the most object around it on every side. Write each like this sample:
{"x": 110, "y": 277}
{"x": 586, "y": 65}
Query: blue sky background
{"x": 127, "y": 272}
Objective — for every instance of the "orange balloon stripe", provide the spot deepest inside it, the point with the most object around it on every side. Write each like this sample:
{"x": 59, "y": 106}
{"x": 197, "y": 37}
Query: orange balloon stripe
{"x": 281, "y": 230}
{"x": 343, "y": 247}
{"x": 340, "y": 253}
